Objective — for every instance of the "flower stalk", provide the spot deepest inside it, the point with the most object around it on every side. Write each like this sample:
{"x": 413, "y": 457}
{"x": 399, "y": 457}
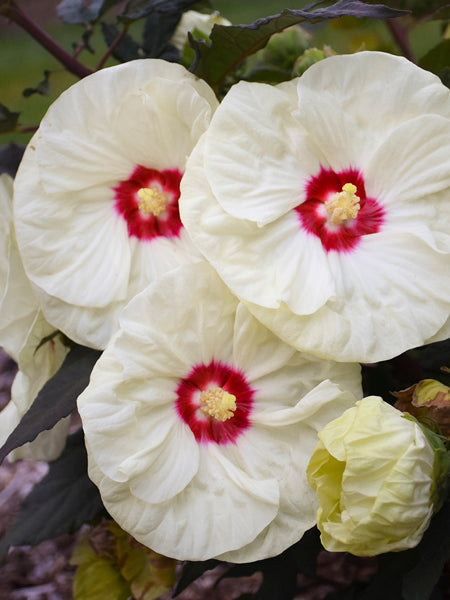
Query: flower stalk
{"x": 15, "y": 14}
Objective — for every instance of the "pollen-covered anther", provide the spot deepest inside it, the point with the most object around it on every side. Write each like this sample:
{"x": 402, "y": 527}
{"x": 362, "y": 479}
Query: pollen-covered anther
{"x": 152, "y": 201}
{"x": 217, "y": 403}
{"x": 343, "y": 206}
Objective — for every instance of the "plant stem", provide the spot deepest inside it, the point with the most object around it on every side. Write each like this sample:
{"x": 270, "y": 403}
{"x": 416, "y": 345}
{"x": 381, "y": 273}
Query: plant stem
{"x": 12, "y": 12}
{"x": 28, "y": 129}
{"x": 400, "y": 35}
{"x": 113, "y": 46}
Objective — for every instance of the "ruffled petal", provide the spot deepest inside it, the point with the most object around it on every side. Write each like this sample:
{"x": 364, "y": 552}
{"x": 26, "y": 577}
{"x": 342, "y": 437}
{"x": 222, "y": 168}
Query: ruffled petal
{"x": 259, "y": 264}
{"x": 19, "y": 307}
{"x": 353, "y": 84}
{"x": 411, "y": 164}
{"x": 257, "y": 155}
{"x": 378, "y": 313}
{"x": 80, "y": 255}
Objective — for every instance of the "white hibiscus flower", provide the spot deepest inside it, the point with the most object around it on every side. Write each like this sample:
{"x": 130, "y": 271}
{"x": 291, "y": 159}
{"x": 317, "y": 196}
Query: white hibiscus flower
{"x": 96, "y": 195}
{"x": 199, "y": 423}
{"x": 323, "y": 203}
{"x": 22, "y": 330}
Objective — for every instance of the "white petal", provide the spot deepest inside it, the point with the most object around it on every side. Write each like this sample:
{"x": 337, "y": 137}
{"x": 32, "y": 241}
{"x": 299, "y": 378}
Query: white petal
{"x": 47, "y": 446}
{"x": 6, "y": 191}
{"x": 442, "y": 334}
{"x": 354, "y": 82}
{"x": 91, "y": 327}
{"x": 392, "y": 296}
{"x": 411, "y": 163}
{"x": 239, "y": 507}
{"x": 150, "y": 261}
{"x": 258, "y": 264}
{"x": 18, "y": 305}
{"x": 200, "y": 314}
{"x": 257, "y": 155}
{"x": 80, "y": 255}
{"x": 133, "y": 437}
{"x": 37, "y": 364}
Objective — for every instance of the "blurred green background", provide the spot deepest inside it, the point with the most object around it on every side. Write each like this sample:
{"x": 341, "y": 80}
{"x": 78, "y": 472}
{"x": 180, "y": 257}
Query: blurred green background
{"x": 23, "y": 61}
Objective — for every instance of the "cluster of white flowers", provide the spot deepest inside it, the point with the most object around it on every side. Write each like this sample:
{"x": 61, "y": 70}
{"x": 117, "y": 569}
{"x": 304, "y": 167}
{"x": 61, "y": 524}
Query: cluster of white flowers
{"x": 236, "y": 262}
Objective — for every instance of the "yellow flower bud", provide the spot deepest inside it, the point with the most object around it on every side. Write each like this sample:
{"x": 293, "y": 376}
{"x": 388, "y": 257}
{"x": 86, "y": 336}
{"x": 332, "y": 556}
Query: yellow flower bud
{"x": 373, "y": 473}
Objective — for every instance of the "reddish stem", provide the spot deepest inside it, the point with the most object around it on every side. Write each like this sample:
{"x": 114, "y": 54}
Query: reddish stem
{"x": 400, "y": 35}
{"x": 15, "y": 14}
{"x": 28, "y": 129}
{"x": 111, "y": 49}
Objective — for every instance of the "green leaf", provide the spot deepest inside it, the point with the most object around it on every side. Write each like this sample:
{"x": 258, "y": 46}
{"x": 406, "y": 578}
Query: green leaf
{"x": 306, "y": 552}
{"x": 99, "y": 579}
{"x": 442, "y": 12}
{"x": 413, "y": 574}
{"x": 434, "y": 552}
{"x": 127, "y": 49}
{"x": 192, "y": 571}
{"x": 431, "y": 8}
{"x": 137, "y": 9}
{"x": 42, "y": 88}
{"x": 267, "y": 75}
{"x": 10, "y": 157}
{"x": 230, "y": 45}
{"x": 437, "y": 60}
{"x": 158, "y": 30}
{"x": 77, "y": 12}
{"x": 279, "y": 580}
{"x": 8, "y": 119}
{"x": 57, "y": 399}
{"x": 60, "y": 503}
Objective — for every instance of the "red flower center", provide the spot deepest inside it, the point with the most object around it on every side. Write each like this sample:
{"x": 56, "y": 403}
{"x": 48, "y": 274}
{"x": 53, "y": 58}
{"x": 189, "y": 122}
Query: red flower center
{"x": 148, "y": 201}
{"x": 339, "y": 228}
{"x": 215, "y": 400}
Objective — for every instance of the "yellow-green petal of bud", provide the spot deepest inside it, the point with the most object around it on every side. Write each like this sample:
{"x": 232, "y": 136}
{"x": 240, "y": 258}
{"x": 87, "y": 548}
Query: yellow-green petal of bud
{"x": 373, "y": 472}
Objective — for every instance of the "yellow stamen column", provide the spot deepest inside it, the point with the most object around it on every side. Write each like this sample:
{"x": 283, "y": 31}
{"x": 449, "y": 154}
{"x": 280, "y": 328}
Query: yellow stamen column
{"x": 152, "y": 201}
{"x": 217, "y": 403}
{"x": 343, "y": 206}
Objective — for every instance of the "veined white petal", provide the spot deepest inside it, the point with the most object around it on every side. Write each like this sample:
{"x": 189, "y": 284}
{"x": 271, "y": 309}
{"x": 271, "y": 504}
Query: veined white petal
{"x": 411, "y": 163}
{"x": 257, "y": 155}
{"x": 354, "y": 82}
{"x": 373, "y": 315}
{"x": 258, "y": 264}
{"x": 18, "y": 305}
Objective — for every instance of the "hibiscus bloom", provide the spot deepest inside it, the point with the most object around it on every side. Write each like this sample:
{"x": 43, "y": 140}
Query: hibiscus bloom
{"x": 22, "y": 330}
{"x": 323, "y": 203}
{"x": 376, "y": 477}
{"x": 199, "y": 423}
{"x": 96, "y": 195}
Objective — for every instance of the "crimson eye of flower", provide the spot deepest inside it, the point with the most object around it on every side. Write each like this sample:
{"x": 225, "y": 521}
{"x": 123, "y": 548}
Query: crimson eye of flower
{"x": 148, "y": 201}
{"x": 215, "y": 400}
{"x": 338, "y": 211}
